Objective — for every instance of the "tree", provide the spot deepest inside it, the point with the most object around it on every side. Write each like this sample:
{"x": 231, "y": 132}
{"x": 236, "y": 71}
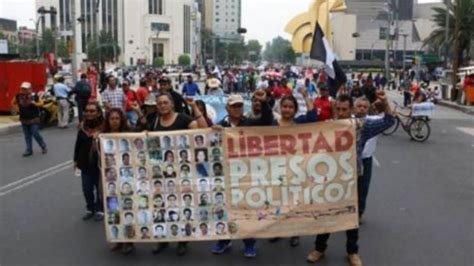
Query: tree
{"x": 184, "y": 60}
{"x": 254, "y": 49}
{"x": 47, "y": 42}
{"x": 107, "y": 51}
{"x": 279, "y": 50}
{"x": 159, "y": 62}
{"x": 463, "y": 11}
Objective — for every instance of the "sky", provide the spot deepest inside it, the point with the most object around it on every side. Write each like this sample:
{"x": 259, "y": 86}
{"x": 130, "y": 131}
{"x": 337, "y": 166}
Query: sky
{"x": 264, "y": 19}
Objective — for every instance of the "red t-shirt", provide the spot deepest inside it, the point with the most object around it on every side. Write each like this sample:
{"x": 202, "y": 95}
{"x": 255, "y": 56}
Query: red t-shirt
{"x": 324, "y": 108}
{"x": 131, "y": 98}
{"x": 142, "y": 94}
{"x": 279, "y": 92}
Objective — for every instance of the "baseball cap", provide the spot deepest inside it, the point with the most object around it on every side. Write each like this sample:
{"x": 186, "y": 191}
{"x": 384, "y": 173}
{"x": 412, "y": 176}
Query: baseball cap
{"x": 235, "y": 99}
{"x": 25, "y": 85}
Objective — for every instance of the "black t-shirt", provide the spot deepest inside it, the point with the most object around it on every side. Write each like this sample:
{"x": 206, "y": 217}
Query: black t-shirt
{"x": 182, "y": 122}
{"x": 27, "y": 108}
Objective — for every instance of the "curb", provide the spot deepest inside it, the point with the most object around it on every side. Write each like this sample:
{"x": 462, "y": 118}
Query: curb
{"x": 11, "y": 128}
{"x": 465, "y": 109}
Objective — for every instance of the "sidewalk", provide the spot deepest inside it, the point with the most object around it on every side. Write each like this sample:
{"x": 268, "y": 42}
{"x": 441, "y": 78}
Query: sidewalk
{"x": 453, "y": 105}
{"x": 9, "y": 125}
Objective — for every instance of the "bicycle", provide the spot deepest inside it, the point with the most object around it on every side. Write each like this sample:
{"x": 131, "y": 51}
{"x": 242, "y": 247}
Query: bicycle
{"x": 417, "y": 127}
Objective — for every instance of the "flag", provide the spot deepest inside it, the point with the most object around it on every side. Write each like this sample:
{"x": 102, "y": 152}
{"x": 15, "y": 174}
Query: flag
{"x": 321, "y": 51}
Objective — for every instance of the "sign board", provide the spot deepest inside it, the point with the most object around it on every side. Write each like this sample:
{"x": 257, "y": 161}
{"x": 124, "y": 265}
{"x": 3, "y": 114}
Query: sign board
{"x": 3, "y": 46}
{"x": 238, "y": 183}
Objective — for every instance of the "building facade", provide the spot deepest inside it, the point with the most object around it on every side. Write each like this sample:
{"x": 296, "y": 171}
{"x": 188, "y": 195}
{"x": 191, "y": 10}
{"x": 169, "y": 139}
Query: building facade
{"x": 226, "y": 19}
{"x": 144, "y": 29}
{"x": 8, "y": 28}
{"x": 26, "y": 35}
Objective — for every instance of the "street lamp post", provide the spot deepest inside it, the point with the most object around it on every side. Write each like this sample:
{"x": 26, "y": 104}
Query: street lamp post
{"x": 404, "y": 35}
{"x": 37, "y": 35}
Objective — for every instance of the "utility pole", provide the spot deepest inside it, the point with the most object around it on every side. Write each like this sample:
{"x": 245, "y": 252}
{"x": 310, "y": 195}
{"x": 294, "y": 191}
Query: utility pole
{"x": 456, "y": 46}
{"x": 446, "y": 35}
{"x": 387, "y": 43}
{"x": 404, "y": 35}
{"x": 74, "y": 46}
{"x": 99, "y": 65}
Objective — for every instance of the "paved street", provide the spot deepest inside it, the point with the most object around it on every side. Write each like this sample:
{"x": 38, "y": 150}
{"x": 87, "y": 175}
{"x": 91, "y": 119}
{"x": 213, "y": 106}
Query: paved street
{"x": 420, "y": 208}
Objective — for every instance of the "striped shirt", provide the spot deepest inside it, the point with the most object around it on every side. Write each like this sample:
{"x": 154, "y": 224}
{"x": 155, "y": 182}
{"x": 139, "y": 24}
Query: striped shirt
{"x": 115, "y": 97}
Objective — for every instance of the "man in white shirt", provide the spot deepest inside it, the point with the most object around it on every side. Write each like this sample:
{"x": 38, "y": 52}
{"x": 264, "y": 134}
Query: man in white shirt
{"x": 361, "y": 110}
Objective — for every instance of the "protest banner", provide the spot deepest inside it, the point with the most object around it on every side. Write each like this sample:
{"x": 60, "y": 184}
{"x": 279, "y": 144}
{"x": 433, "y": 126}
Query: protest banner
{"x": 199, "y": 185}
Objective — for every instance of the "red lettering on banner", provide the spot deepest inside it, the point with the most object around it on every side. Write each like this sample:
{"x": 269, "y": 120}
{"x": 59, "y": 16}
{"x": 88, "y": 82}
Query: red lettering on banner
{"x": 231, "y": 149}
{"x": 287, "y": 144}
{"x": 321, "y": 144}
{"x": 254, "y": 145}
{"x": 305, "y": 137}
{"x": 344, "y": 140}
{"x": 270, "y": 144}
{"x": 242, "y": 146}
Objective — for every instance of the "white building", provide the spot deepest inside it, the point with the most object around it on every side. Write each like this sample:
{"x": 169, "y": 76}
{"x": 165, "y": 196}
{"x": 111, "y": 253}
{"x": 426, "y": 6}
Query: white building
{"x": 144, "y": 29}
{"x": 226, "y": 18}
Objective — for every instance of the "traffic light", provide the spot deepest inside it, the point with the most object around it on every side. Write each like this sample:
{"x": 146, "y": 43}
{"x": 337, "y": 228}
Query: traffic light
{"x": 241, "y": 30}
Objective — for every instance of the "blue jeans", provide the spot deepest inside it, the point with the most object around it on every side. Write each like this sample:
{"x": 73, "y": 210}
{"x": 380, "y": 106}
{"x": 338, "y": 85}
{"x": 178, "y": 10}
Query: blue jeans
{"x": 32, "y": 131}
{"x": 91, "y": 184}
{"x": 132, "y": 118}
{"x": 363, "y": 184}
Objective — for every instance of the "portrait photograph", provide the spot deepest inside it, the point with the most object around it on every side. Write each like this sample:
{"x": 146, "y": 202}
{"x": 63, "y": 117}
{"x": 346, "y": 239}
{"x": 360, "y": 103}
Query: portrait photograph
{"x": 159, "y": 215}
{"x": 186, "y": 185}
{"x": 110, "y": 160}
{"x": 156, "y": 157}
{"x": 129, "y": 231}
{"x": 169, "y": 171}
{"x": 169, "y": 157}
{"x": 112, "y": 204}
{"x": 187, "y": 215}
{"x": 172, "y": 215}
{"x": 220, "y": 228}
{"x": 187, "y": 200}
{"x": 185, "y": 171}
{"x": 184, "y": 156}
{"x": 217, "y": 169}
{"x": 128, "y": 218}
{"x": 158, "y": 201}
{"x": 157, "y": 186}
{"x": 143, "y": 187}
{"x": 114, "y": 232}
{"x": 109, "y": 146}
{"x": 110, "y": 174}
{"x": 171, "y": 186}
{"x": 203, "y": 185}
{"x": 218, "y": 199}
{"x": 127, "y": 203}
{"x": 126, "y": 173}
{"x": 124, "y": 145}
{"x": 126, "y": 189}
{"x": 219, "y": 214}
{"x": 218, "y": 184}
{"x": 144, "y": 232}
{"x": 167, "y": 142}
{"x": 141, "y": 158}
{"x": 172, "y": 200}
{"x": 216, "y": 154}
{"x": 215, "y": 139}
{"x": 159, "y": 231}
{"x": 187, "y": 230}
{"x": 204, "y": 229}
{"x": 111, "y": 189}
{"x": 144, "y": 217}
{"x": 199, "y": 141}
{"x": 153, "y": 143}
{"x": 126, "y": 159}
{"x": 143, "y": 202}
{"x": 203, "y": 214}
{"x": 156, "y": 172}
{"x": 113, "y": 217}
{"x": 183, "y": 142}
{"x": 173, "y": 230}
{"x": 139, "y": 144}
{"x": 142, "y": 173}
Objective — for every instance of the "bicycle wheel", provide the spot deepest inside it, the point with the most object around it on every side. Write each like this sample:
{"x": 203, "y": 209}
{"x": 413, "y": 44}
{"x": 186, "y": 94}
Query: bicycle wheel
{"x": 389, "y": 131}
{"x": 419, "y": 130}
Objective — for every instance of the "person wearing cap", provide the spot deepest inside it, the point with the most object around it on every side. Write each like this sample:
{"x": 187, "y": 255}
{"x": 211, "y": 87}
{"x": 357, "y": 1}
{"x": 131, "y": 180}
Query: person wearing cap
{"x": 180, "y": 104}
{"x": 131, "y": 100}
{"x": 213, "y": 85}
{"x": 29, "y": 118}
{"x": 236, "y": 118}
{"x": 190, "y": 88}
{"x": 324, "y": 104}
{"x": 113, "y": 97}
{"x": 61, "y": 92}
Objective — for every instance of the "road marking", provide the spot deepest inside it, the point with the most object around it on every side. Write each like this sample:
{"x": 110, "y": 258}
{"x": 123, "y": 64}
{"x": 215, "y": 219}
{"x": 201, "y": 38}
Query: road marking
{"x": 376, "y": 162}
{"x": 31, "y": 179}
{"x": 467, "y": 130}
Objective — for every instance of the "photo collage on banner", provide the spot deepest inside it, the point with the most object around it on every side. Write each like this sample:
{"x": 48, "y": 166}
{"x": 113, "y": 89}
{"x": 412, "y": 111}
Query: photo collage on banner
{"x": 164, "y": 187}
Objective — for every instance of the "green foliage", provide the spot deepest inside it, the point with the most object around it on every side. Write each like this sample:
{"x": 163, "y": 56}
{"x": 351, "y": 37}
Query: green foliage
{"x": 463, "y": 10}
{"x": 279, "y": 50}
{"x": 254, "y": 50}
{"x": 107, "y": 50}
{"x": 184, "y": 60}
{"x": 159, "y": 62}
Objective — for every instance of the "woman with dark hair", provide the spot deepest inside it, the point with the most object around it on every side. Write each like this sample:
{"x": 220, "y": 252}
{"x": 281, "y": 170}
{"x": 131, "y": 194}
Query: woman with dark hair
{"x": 116, "y": 122}
{"x": 202, "y": 107}
{"x": 169, "y": 120}
{"x": 86, "y": 159}
{"x": 288, "y": 109}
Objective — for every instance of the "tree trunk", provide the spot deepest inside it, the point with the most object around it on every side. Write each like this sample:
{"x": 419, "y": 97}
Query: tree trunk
{"x": 457, "y": 54}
